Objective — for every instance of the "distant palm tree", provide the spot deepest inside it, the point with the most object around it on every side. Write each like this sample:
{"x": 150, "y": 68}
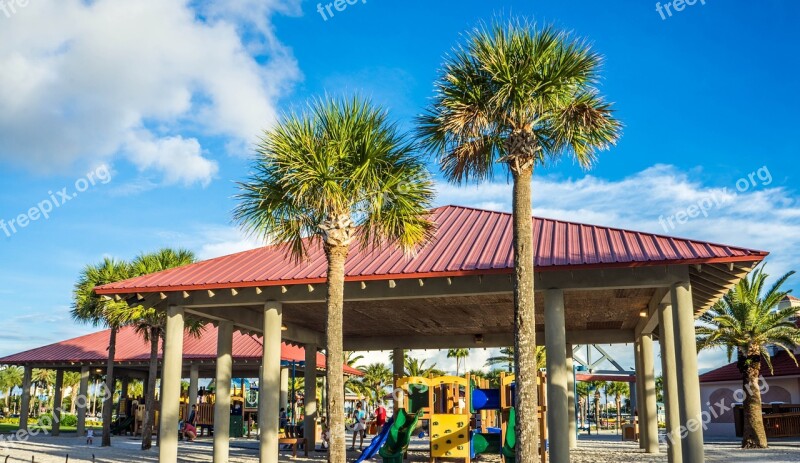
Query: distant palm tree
{"x": 10, "y": 378}
{"x": 72, "y": 380}
{"x": 88, "y": 307}
{"x": 617, "y": 390}
{"x": 458, "y": 354}
{"x": 150, "y": 323}
{"x": 520, "y": 96}
{"x": 416, "y": 367}
{"x": 748, "y": 320}
{"x": 42, "y": 379}
{"x": 340, "y": 174}
{"x": 351, "y": 358}
{"x": 506, "y": 358}
{"x": 376, "y": 377}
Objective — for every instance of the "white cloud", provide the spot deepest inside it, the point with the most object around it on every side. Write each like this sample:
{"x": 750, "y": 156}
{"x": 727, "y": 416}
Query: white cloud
{"x": 84, "y": 81}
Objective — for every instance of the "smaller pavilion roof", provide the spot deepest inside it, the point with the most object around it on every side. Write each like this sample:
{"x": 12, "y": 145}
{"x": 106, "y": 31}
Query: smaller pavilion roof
{"x": 782, "y": 365}
{"x": 131, "y": 348}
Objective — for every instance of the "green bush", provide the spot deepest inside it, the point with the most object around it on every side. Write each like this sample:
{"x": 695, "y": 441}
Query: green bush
{"x": 46, "y": 419}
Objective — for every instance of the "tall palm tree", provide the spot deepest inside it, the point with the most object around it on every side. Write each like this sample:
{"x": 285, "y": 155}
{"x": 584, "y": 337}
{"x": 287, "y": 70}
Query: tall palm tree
{"x": 747, "y": 321}
{"x": 151, "y": 323}
{"x": 88, "y": 307}
{"x": 458, "y": 354}
{"x": 339, "y": 174}
{"x": 617, "y": 389}
{"x": 376, "y": 377}
{"x": 520, "y": 96}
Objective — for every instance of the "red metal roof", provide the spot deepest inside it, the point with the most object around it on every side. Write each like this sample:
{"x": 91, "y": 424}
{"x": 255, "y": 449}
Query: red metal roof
{"x": 467, "y": 241}
{"x": 782, "y": 365}
{"x": 93, "y": 348}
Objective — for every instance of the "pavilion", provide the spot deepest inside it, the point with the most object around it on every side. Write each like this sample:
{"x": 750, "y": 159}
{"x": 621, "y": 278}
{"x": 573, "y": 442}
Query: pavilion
{"x": 89, "y": 353}
{"x": 593, "y": 285}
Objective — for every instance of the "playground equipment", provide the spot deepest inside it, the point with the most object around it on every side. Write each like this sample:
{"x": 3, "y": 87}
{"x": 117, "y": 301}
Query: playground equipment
{"x": 459, "y": 412}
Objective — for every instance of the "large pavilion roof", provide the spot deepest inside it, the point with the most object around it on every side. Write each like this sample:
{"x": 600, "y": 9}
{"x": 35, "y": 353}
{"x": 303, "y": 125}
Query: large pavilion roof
{"x": 457, "y": 290}
{"x": 132, "y": 349}
{"x": 468, "y": 241}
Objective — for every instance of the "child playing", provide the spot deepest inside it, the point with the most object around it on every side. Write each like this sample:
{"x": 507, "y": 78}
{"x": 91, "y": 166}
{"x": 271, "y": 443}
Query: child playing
{"x": 89, "y": 436}
{"x": 326, "y": 434}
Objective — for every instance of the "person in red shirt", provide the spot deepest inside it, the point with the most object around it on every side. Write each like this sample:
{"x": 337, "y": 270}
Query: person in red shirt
{"x": 380, "y": 416}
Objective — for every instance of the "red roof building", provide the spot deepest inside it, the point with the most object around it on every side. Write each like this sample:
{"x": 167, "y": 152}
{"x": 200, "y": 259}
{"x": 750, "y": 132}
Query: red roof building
{"x": 132, "y": 352}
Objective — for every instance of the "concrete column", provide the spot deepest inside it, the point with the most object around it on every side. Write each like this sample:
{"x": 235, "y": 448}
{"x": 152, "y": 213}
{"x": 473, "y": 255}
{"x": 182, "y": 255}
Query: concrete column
{"x": 666, "y": 340}
{"x": 284, "y": 396}
{"x": 557, "y": 377}
{"x": 310, "y": 381}
{"x": 222, "y": 406}
{"x": 640, "y": 395}
{"x": 194, "y": 378}
{"x": 269, "y": 387}
{"x": 650, "y": 401}
{"x": 398, "y": 371}
{"x": 25, "y": 400}
{"x": 573, "y": 425}
{"x": 57, "y": 398}
{"x": 171, "y": 385}
{"x": 686, "y": 368}
{"x": 83, "y": 401}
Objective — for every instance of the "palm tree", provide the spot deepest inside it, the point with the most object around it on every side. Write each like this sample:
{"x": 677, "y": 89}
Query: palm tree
{"x": 521, "y": 96}
{"x": 10, "y": 378}
{"x": 416, "y": 367}
{"x": 151, "y": 323}
{"x": 338, "y": 174}
{"x": 88, "y": 307}
{"x": 376, "y": 377}
{"x": 351, "y": 358}
{"x": 748, "y": 321}
{"x": 42, "y": 379}
{"x": 458, "y": 354}
{"x": 72, "y": 380}
{"x": 506, "y": 358}
{"x": 617, "y": 389}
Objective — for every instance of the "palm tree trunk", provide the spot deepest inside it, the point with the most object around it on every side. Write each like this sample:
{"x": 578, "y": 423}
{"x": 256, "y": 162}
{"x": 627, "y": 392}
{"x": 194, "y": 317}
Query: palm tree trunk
{"x": 753, "y": 435}
{"x": 73, "y": 396}
{"x": 150, "y": 395}
{"x": 619, "y": 411}
{"x": 337, "y": 255}
{"x": 525, "y": 320}
{"x": 108, "y": 403}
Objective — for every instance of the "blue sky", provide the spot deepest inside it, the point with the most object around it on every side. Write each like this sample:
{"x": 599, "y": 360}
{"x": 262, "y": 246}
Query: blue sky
{"x": 170, "y": 96}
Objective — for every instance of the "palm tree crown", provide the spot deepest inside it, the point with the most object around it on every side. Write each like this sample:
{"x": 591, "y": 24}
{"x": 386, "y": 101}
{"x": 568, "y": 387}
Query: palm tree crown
{"x": 339, "y": 167}
{"x": 518, "y": 95}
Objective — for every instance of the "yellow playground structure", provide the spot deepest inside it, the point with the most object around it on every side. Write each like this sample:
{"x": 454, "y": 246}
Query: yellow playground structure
{"x": 465, "y": 416}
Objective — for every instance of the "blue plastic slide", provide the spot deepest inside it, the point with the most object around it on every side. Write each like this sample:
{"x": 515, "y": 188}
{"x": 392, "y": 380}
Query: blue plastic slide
{"x": 376, "y": 443}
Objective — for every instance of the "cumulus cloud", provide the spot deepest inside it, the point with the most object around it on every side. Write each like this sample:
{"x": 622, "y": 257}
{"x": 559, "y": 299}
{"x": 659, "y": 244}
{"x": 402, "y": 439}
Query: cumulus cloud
{"x": 84, "y": 81}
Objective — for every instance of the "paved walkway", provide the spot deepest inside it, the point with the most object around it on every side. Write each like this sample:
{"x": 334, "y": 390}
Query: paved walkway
{"x": 594, "y": 449}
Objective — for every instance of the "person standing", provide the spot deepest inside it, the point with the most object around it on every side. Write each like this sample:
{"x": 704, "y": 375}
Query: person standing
{"x": 380, "y": 417}
{"x": 360, "y": 426}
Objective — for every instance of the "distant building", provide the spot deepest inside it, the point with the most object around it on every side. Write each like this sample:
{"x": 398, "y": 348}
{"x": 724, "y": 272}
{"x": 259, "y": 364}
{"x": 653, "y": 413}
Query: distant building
{"x": 718, "y": 388}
